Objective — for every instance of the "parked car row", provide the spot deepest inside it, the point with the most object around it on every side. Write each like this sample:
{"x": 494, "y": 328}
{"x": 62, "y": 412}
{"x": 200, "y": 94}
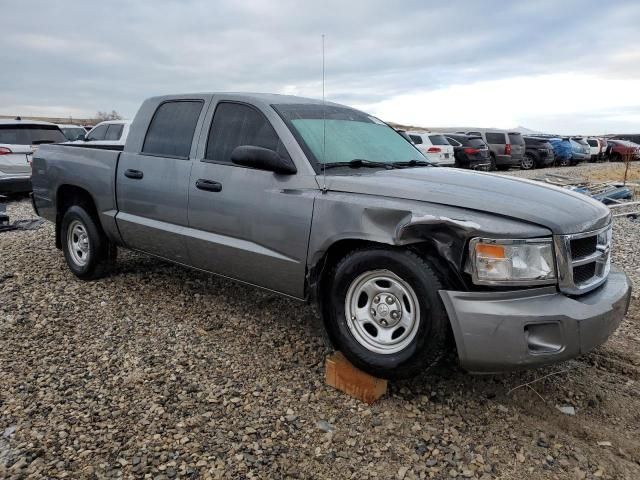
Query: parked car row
{"x": 19, "y": 139}
{"x": 491, "y": 149}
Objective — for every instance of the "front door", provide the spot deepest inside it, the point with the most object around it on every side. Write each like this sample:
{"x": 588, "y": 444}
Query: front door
{"x": 152, "y": 186}
{"x": 247, "y": 224}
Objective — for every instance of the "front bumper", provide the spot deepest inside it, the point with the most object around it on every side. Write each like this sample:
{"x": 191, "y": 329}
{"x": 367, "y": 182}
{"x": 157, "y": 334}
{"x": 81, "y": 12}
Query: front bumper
{"x": 500, "y": 331}
{"x": 15, "y": 184}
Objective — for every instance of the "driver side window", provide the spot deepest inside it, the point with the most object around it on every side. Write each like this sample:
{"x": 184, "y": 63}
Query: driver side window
{"x": 236, "y": 124}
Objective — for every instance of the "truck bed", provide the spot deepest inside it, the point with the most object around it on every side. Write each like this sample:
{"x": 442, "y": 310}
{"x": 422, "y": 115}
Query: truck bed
{"x": 89, "y": 168}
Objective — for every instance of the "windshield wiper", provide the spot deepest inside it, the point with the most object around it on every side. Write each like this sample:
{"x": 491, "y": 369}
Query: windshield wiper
{"x": 360, "y": 163}
{"x": 415, "y": 163}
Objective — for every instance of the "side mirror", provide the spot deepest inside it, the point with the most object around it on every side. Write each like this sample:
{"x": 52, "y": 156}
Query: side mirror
{"x": 262, "y": 159}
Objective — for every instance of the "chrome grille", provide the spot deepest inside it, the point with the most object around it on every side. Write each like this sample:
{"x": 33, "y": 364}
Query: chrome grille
{"x": 583, "y": 260}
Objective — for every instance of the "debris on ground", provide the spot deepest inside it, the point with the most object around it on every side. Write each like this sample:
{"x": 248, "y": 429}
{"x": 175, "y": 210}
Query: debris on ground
{"x": 566, "y": 409}
{"x": 605, "y": 192}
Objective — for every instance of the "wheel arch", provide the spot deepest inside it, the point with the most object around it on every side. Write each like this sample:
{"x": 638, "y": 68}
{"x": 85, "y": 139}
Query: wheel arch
{"x": 444, "y": 252}
{"x": 68, "y": 195}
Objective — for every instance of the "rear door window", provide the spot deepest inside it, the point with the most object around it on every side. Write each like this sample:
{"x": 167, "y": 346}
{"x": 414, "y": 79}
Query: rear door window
{"x": 592, "y": 143}
{"x": 496, "y": 138}
{"x": 516, "y": 139}
{"x": 417, "y": 139}
{"x": 114, "y": 132}
{"x": 98, "y": 133}
{"x": 438, "y": 140}
{"x": 236, "y": 124}
{"x": 172, "y": 128}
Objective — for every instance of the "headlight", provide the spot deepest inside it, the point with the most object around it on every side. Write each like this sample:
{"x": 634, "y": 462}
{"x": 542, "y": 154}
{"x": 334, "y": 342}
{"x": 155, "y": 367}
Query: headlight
{"x": 512, "y": 262}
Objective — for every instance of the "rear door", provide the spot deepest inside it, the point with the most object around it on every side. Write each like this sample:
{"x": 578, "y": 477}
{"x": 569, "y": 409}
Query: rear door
{"x": 247, "y": 224}
{"x": 152, "y": 185}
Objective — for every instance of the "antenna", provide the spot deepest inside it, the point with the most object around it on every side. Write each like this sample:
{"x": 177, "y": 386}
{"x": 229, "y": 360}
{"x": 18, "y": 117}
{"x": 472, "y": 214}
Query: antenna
{"x": 324, "y": 128}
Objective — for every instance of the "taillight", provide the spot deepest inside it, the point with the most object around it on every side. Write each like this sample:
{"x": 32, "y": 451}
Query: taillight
{"x": 507, "y": 149}
{"x": 434, "y": 150}
{"x": 471, "y": 151}
{"x": 5, "y": 151}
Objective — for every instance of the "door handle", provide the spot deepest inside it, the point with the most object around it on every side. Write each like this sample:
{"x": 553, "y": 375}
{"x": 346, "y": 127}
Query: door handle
{"x": 208, "y": 185}
{"x": 135, "y": 174}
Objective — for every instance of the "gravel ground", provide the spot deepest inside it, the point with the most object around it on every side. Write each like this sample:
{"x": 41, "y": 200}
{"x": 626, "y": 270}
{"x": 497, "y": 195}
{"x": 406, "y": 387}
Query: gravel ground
{"x": 161, "y": 372}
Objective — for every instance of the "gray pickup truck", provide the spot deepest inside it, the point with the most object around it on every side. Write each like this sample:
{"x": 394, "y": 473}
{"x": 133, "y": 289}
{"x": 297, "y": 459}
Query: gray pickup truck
{"x": 321, "y": 202}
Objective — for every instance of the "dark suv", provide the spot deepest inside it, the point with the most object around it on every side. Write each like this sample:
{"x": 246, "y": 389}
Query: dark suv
{"x": 470, "y": 151}
{"x": 538, "y": 153}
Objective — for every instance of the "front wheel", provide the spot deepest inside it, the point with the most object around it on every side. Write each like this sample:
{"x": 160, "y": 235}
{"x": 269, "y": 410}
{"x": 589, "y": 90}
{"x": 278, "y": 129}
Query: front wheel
{"x": 565, "y": 161}
{"x": 385, "y": 314}
{"x": 84, "y": 244}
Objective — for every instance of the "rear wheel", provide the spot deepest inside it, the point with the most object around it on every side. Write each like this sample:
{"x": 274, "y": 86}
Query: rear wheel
{"x": 528, "y": 162}
{"x": 565, "y": 161}
{"x": 616, "y": 157}
{"x": 384, "y": 312}
{"x": 84, "y": 244}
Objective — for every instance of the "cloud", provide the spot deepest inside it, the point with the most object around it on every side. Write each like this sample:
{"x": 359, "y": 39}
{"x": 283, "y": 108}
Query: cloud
{"x": 542, "y": 102}
{"x": 84, "y": 57}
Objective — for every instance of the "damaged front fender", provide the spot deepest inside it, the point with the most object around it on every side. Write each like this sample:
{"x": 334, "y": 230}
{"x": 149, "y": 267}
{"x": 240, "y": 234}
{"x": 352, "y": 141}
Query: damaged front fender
{"x": 445, "y": 230}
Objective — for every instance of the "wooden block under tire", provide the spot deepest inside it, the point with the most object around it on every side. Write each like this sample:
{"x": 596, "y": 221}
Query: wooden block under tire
{"x": 342, "y": 375}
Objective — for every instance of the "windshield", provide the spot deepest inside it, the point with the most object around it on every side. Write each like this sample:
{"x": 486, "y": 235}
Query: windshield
{"x": 73, "y": 133}
{"x": 25, "y": 134}
{"x": 341, "y": 135}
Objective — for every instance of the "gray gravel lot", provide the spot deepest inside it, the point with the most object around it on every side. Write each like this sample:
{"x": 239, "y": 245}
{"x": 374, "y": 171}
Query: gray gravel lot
{"x": 161, "y": 372}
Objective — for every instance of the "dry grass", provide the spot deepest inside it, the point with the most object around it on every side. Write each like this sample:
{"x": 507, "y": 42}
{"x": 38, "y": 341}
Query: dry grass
{"x": 615, "y": 172}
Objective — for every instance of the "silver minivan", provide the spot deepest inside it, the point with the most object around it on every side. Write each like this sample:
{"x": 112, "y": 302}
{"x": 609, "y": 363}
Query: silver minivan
{"x": 507, "y": 148}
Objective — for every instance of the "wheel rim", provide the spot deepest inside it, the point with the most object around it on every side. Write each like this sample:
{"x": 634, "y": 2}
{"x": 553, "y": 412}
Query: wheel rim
{"x": 527, "y": 163}
{"x": 382, "y": 311}
{"x": 78, "y": 243}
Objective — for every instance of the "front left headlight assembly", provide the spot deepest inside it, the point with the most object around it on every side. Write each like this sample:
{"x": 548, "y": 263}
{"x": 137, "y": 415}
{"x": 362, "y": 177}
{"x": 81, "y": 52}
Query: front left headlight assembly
{"x": 516, "y": 262}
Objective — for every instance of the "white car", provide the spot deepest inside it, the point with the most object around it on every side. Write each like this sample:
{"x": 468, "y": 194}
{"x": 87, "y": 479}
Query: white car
{"x": 19, "y": 139}
{"x": 73, "y": 132}
{"x": 597, "y": 147}
{"x": 109, "y": 133}
{"x": 434, "y": 146}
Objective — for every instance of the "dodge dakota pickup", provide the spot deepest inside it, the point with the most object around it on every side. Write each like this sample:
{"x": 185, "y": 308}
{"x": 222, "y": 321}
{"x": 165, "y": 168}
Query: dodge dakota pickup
{"x": 324, "y": 203}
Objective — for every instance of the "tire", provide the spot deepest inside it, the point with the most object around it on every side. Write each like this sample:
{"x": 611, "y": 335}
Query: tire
{"x": 396, "y": 282}
{"x": 565, "y": 162}
{"x": 85, "y": 246}
{"x": 528, "y": 162}
{"x": 616, "y": 157}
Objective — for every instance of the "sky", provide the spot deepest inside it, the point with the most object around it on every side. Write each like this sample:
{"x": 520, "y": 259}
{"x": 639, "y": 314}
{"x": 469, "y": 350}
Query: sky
{"x": 553, "y": 66}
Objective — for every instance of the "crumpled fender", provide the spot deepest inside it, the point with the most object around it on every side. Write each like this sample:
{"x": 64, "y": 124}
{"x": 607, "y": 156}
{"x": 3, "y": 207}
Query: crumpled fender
{"x": 340, "y": 216}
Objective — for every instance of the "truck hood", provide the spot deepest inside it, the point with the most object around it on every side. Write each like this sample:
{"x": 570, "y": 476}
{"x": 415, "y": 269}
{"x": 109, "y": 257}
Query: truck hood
{"x": 555, "y": 208}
